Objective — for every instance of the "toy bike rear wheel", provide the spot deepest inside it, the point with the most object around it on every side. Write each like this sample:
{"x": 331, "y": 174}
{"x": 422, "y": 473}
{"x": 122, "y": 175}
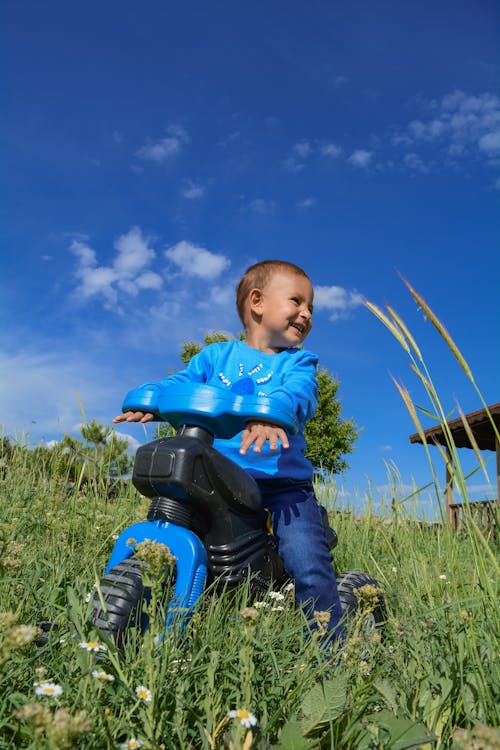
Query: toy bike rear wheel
{"x": 347, "y": 584}
{"x": 118, "y": 605}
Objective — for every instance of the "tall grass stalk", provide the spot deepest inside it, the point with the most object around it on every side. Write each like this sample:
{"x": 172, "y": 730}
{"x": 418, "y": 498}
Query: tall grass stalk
{"x": 400, "y": 330}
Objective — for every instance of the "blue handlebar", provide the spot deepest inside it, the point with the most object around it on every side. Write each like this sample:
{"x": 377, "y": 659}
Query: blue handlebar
{"x": 223, "y": 413}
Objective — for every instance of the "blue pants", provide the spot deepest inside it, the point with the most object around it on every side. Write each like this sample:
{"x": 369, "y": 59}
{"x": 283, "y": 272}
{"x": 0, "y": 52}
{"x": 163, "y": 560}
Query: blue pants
{"x": 298, "y": 527}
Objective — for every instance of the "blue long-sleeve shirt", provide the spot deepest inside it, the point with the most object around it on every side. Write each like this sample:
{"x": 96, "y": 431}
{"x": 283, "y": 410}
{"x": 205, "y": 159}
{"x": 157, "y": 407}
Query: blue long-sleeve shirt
{"x": 289, "y": 374}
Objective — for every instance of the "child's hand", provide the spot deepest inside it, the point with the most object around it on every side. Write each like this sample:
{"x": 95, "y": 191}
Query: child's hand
{"x": 257, "y": 433}
{"x": 134, "y": 416}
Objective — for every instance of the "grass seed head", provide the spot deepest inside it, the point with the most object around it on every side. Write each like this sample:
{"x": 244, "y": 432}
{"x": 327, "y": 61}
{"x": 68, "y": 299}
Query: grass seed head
{"x": 156, "y": 557}
{"x": 368, "y": 596}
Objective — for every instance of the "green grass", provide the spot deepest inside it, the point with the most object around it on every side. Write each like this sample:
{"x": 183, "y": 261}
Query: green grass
{"x": 435, "y": 670}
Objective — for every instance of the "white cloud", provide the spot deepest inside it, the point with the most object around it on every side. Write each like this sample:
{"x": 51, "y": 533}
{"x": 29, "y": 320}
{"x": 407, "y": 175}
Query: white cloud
{"x": 361, "y": 158}
{"x": 337, "y": 300}
{"x": 331, "y": 150}
{"x": 149, "y": 280}
{"x": 293, "y": 165}
{"x": 302, "y": 150}
{"x": 133, "y": 443}
{"x": 340, "y": 80}
{"x": 307, "y": 202}
{"x": 193, "y": 260}
{"x": 261, "y": 206}
{"x": 490, "y": 143}
{"x": 94, "y": 280}
{"x": 461, "y": 123}
{"x": 193, "y": 191}
{"x": 415, "y": 162}
{"x": 164, "y": 148}
{"x": 85, "y": 253}
{"x": 45, "y": 388}
{"x": 223, "y": 295}
{"x": 133, "y": 255}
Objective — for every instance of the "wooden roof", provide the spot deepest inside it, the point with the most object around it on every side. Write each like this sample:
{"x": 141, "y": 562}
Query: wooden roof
{"x": 480, "y": 425}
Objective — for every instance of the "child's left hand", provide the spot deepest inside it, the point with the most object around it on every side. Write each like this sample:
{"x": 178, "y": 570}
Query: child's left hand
{"x": 257, "y": 433}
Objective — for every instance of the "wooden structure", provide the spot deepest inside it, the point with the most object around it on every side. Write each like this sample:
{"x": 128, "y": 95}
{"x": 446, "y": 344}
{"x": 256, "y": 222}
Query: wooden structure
{"x": 479, "y": 425}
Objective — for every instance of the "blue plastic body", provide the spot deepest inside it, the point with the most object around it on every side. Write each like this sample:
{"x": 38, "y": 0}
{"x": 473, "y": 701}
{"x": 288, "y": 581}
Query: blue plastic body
{"x": 191, "y": 563}
{"x": 223, "y": 413}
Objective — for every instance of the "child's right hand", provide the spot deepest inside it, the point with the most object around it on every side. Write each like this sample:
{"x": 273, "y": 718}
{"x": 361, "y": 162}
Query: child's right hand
{"x": 134, "y": 416}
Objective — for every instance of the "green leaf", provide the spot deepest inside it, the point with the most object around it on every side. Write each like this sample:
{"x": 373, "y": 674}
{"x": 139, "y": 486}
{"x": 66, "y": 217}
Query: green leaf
{"x": 75, "y": 606}
{"x": 399, "y": 733}
{"x": 388, "y": 692}
{"x": 291, "y": 738}
{"x": 322, "y": 704}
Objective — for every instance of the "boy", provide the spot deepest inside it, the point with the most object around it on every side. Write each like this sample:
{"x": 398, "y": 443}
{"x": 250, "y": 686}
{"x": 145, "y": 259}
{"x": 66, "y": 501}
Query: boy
{"x": 275, "y": 303}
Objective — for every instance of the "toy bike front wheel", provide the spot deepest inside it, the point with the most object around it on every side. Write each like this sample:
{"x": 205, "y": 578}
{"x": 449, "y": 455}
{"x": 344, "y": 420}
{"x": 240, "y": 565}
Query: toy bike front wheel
{"x": 347, "y": 585}
{"x": 118, "y": 605}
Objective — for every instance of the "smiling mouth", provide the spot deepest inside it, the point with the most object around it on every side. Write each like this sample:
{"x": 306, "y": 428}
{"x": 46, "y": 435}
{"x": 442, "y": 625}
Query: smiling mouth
{"x": 300, "y": 328}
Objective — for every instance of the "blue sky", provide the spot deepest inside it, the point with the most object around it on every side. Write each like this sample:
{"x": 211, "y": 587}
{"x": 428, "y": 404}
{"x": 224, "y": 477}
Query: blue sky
{"x": 152, "y": 152}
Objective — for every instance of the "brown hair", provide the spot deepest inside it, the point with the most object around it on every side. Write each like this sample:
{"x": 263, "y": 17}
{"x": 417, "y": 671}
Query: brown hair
{"x": 257, "y": 276}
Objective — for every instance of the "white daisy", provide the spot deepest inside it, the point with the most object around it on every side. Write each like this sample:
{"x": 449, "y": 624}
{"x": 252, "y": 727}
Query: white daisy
{"x": 94, "y": 646}
{"x": 246, "y": 719}
{"x": 131, "y": 744}
{"x": 102, "y": 676}
{"x": 48, "y": 688}
{"x": 276, "y": 596}
{"x": 143, "y": 693}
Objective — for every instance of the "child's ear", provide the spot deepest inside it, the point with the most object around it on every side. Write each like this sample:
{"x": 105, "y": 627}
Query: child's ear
{"x": 255, "y": 299}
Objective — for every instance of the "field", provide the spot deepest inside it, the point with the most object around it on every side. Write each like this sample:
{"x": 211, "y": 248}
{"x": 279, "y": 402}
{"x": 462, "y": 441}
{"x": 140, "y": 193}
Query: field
{"x": 433, "y": 677}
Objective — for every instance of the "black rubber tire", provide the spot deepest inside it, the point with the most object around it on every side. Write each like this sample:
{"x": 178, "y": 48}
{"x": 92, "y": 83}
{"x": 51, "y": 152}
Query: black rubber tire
{"x": 123, "y": 594}
{"x": 347, "y": 583}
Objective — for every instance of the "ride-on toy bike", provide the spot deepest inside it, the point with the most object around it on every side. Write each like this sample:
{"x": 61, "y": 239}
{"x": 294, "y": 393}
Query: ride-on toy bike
{"x": 204, "y": 508}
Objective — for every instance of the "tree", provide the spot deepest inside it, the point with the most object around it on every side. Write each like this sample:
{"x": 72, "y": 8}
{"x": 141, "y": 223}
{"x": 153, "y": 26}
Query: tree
{"x": 329, "y": 436}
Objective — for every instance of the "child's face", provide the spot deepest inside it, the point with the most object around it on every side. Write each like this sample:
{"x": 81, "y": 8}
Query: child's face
{"x": 285, "y": 310}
